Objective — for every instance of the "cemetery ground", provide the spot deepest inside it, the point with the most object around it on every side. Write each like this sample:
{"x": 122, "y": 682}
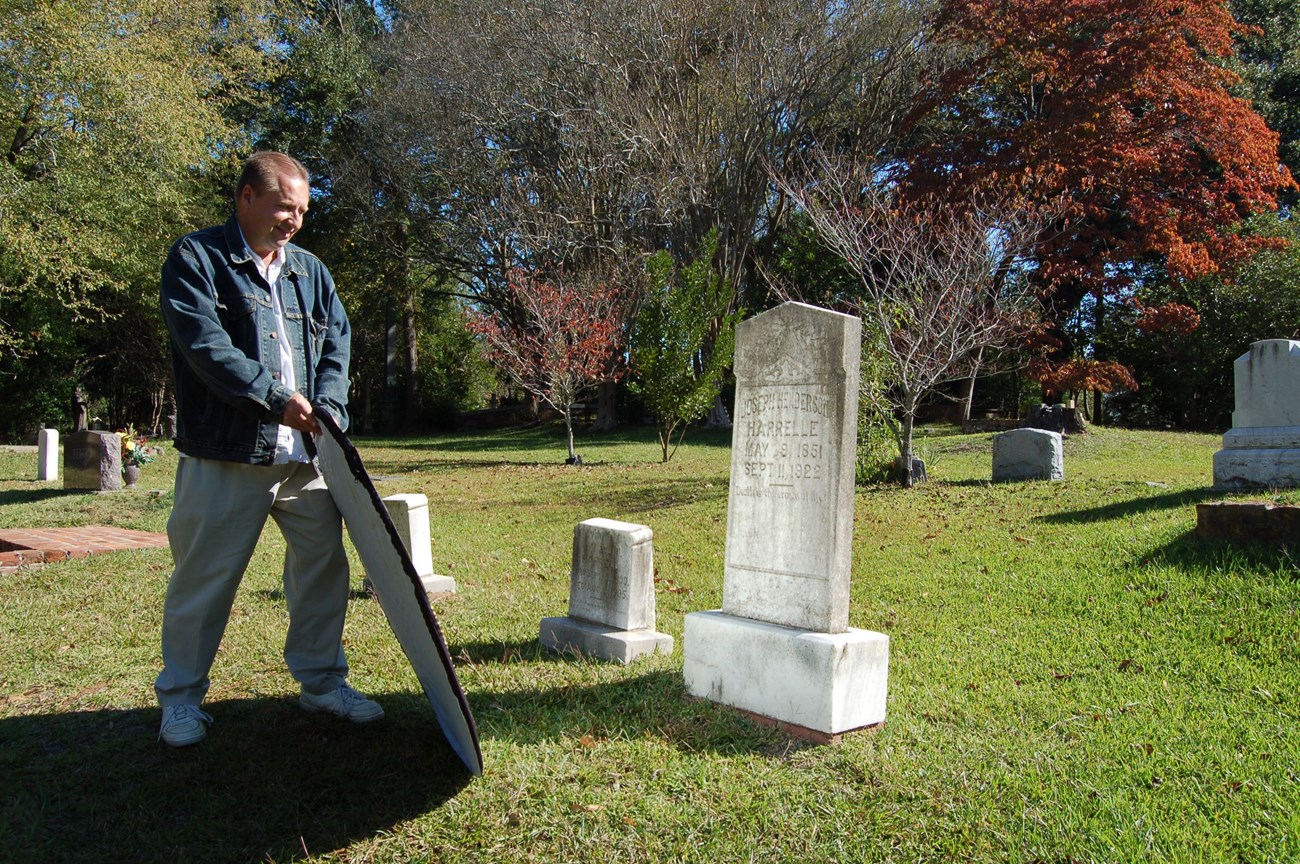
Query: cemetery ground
{"x": 1074, "y": 677}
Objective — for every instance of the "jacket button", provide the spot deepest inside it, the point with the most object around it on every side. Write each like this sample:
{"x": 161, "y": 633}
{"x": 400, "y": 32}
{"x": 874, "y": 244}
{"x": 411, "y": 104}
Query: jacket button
{"x": 275, "y": 375}
{"x": 273, "y": 335}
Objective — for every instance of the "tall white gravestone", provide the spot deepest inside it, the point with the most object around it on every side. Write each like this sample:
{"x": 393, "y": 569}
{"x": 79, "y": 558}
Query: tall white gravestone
{"x": 781, "y": 647}
{"x": 611, "y": 595}
{"x": 47, "y": 455}
{"x": 1262, "y": 449}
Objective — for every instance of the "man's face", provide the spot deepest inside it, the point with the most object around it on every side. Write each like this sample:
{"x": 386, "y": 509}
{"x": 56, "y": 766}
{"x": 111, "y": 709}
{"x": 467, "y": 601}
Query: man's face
{"x": 268, "y": 219}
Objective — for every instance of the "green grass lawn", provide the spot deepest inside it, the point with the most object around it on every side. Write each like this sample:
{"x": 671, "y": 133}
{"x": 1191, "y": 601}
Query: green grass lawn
{"x": 1074, "y": 677}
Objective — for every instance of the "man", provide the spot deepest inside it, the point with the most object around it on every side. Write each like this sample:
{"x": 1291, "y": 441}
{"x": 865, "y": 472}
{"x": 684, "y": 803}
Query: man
{"x": 258, "y": 338}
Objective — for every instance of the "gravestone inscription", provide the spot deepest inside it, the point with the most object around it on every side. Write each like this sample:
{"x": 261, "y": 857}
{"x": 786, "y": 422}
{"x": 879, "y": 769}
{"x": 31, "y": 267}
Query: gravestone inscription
{"x": 790, "y": 513}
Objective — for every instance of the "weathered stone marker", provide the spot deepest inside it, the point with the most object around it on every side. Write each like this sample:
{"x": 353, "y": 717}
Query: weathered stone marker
{"x": 611, "y": 595}
{"x": 410, "y": 515}
{"x": 780, "y": 647}
{"x": 1028, "y": 454}
{"x": 92, "y": 460}
{"x": 1262, "y": 449}
{"x": 1248, "y": 522}
{"x": 47, "y": 455}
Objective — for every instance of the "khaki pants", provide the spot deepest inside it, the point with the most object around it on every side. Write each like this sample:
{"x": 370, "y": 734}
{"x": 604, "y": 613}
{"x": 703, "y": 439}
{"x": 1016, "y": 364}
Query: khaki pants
{"x": 218, "y": 515}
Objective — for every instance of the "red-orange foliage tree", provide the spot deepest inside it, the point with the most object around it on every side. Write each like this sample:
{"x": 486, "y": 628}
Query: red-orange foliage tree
{"x": 556, "y": 337}
{"x": 1119, "y": 109}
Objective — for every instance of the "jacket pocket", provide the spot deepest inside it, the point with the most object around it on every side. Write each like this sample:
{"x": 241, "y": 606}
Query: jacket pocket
{"x": 236, "y": 307}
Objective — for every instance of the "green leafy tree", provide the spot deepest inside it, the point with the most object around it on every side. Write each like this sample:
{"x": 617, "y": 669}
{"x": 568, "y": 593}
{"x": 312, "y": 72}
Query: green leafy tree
{"x": 1268, "y": 58}
{"x": 682, "y": 341}
{"x": 113, "y": 114}
{"x": 1183, "y": 363}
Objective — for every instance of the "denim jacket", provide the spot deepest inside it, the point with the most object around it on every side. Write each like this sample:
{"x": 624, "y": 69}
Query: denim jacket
{"x": 225, "y": 353}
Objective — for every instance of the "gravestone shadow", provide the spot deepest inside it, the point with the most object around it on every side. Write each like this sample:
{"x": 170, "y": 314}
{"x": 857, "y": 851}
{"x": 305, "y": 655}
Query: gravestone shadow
{"x": 1132, "y": 507}
{"x": 270, "y": 782}
{"x": 33, "y": 496}
{"x": 1189, "y": 550}
{"x": 651, "y": 705}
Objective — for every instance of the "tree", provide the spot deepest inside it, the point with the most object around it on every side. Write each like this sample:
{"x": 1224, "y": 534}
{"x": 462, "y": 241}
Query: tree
{"x": 1184, "y": 361}
{"x": 597, "y": 130}
{"x": 677, "y": 357}
{"x": 937, "y": 285}
{"x": 558, "y": 341}
{"x": 1268, "y": 59}
{"x": 112, "y": 117}
{"x": 1121, "y": 109}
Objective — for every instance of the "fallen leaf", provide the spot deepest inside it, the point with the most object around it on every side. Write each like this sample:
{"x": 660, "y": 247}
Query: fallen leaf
{"x": 587, "y": 741}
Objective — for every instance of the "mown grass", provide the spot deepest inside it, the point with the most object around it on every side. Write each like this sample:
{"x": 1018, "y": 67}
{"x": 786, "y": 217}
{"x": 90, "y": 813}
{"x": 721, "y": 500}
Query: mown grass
{"x": 1074, "y": 677}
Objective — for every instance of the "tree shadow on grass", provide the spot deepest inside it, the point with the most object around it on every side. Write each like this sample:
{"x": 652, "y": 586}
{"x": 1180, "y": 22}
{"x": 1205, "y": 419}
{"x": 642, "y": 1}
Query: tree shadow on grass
{"x": 1133, "y": 507}
{"x": 270, "y": 782}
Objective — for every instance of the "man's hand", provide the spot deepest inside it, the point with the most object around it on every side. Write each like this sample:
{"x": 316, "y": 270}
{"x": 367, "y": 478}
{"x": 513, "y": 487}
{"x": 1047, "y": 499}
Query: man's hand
{"x": 298, "y": 415}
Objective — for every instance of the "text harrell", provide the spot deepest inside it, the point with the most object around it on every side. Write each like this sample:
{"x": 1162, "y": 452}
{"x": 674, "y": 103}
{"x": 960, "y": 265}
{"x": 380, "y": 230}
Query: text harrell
{"x": 773, "y": 423}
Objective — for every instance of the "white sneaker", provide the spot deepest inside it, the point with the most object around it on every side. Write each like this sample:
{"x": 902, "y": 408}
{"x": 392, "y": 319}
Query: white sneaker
{"x": 183, "y": 725}
{"x": 343, "y": 702}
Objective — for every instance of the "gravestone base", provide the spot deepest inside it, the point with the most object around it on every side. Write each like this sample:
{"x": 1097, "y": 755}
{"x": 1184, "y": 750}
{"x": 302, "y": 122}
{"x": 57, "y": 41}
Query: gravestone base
{"x": 575, "y": 636}
{"x": 825, "y": 683}
{"x": 1257, "y": 468}
{"x": 803, "y": 733}
{"x": 435, "y": 584}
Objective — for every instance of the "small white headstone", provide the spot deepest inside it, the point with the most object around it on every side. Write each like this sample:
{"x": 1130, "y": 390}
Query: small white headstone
{"x": 47, "y": 455}
{"x": 1262, "y": 449}
{"x": 612, "y": 581}
{"x": 1028, "y": 454}
{"x": 410, "y": 515}
{"x": 611, "y": 595}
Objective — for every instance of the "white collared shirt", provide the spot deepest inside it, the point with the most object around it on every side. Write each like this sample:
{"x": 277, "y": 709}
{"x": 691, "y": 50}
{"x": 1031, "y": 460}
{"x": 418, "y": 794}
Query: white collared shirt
{"x": 288, "y": 442}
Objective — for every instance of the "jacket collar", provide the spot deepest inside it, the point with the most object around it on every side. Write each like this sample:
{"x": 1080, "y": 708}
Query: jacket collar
{"x": 237, "y": 249}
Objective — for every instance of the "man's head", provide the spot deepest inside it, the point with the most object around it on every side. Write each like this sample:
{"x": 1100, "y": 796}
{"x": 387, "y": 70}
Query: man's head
{"x": 272, "y": 196}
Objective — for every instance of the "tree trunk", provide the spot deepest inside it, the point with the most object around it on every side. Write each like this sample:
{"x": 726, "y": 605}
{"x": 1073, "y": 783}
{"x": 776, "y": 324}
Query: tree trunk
{"x": 388, "y": 403}
{"x": 970, "y": 386}
{"x": 905, "y": 451}
{"x": 718, "y": 416}
{"x": 411, "y": 336}
{"x": 606, "y": 407}
{"x": 568, "y": 428}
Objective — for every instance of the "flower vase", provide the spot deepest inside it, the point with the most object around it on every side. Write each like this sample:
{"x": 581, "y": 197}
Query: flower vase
{"x": 131, "y": 474}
